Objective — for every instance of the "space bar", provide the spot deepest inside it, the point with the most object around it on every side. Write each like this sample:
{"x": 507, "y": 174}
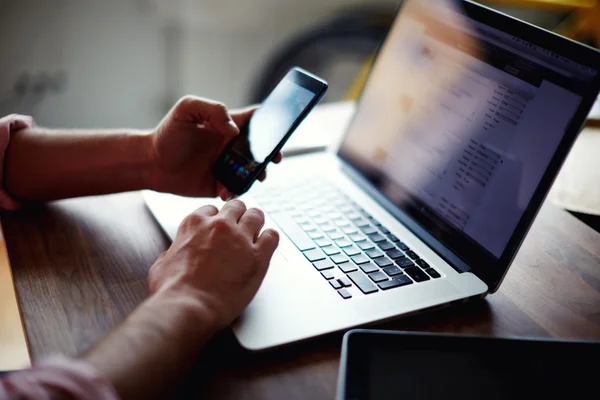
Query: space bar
{"x": 293, "y": 231}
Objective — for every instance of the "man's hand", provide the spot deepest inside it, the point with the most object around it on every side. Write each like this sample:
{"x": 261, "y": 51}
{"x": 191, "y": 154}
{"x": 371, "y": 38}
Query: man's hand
{"x": 218, "y": 259}
{"x": 200, "y": 285}
{"x": 187, "y": 143}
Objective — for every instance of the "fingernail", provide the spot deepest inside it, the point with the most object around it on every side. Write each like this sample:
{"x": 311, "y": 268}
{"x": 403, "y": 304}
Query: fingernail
{"x": 234, "y": 127}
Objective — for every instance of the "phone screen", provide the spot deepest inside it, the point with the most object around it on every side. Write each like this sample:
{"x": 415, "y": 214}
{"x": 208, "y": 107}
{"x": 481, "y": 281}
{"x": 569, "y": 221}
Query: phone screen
{"x": 267, "y": 128}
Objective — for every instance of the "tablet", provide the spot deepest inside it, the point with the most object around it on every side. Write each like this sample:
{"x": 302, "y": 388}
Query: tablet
{"x": 381, "y": 365}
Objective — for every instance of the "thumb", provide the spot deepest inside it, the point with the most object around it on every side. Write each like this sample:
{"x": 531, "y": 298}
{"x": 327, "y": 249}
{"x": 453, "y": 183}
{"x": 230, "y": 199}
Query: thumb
{"x": 242, "y": 117}
{"x": 204, "y": 111}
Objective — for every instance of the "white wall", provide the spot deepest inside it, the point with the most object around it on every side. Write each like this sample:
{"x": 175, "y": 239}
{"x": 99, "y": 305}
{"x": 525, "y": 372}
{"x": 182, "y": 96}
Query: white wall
{"x": 110, "y": 49}
{"x": 114, "y": 53}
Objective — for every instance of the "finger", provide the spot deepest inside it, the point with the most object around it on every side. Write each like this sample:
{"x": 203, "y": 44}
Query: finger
{"x": 252, "y": 222}
{"x": 262, "y": 176}
{"x": 221, "y": 190}
{"x": 233, "y": 210}
{"x": 267, "y": 244}
{"x": 207, "y": 210}
{"x": 241, "y": 117}
{"x": 278, "y": 157}
{"x": 207, "y": 111}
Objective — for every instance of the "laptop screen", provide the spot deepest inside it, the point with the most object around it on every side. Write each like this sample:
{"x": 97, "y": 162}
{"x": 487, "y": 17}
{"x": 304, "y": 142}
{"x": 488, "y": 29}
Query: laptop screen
{"x": 459, "y": 122}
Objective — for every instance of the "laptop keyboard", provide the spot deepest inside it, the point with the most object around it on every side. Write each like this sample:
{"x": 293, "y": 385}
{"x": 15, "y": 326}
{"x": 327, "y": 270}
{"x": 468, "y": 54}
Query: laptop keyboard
{"x": 344, "y": 243}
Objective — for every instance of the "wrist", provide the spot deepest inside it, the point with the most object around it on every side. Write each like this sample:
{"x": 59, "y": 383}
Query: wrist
{"x": 148, "y": 153}
{"x": 184, "y": 305}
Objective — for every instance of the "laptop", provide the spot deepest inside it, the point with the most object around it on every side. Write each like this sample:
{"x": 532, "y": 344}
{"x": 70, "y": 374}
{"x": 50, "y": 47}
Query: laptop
{"x": 463, "y": 124}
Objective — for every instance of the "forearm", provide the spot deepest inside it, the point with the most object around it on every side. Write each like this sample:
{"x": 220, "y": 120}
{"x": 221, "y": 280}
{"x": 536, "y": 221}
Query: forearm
{"x": 148, "y": 355}
{"x": 42, "y": 165}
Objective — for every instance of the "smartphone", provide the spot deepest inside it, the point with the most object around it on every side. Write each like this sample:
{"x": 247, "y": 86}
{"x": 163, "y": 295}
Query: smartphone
{"x": 271, "y": 125}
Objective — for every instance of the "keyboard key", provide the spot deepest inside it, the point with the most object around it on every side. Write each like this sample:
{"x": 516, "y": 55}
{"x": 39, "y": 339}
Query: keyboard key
{"x": 393, "y": 238}
{"x": 348, "y": 267}
{"x": 378, "y": 277}
{"x": 402, "y": 246}
{"x": 362, "y": 282}
{"x": 328, "y": 228}
{"x": 308, "y": 227}
{"x": 335, "y": 284}
{"x": 320, "y": 220}
{"x": 383, "y": 262}
{"x": 417, "y": 274}
{"x": 349, "y": 230}
{"x": 368, "y": 230}
{"x": 334, "y": 215}
{"x": 345, "y": 294}
{"x": 331, "y": 250}
{"x": 340, "y": 259}
{"x": 392, "y": 271}
{"x": 366, "y": 245}
{"x": 353, "y": 215}
{"x": 327, "y": 275}
{"x": 384, "y": 230}
{"x": 374, "y": 221}
{"x": 368, "y": 268}
{"x": 385, "y": 245}
{"x": 316, "y": 235}
{"x": 357, "y": 237}
{"x": 374, "y": 253}
{"x": 360, "y": 259}
{"x": 404, "y": 263}
{"x": 323, "y": 242}
{"x": 342, "y": 223}
{"x": 335, "y": 235}
{"x": 351, "y": 251}
{"x": 345, "y": 281}
{"x": 401, "y": 280}
{"x": 343, "y": 242}
{"x": 394, "y": 254}
{"x": 293, "y": 231}
{"x": 412, "y": 255}
{"x": 422, "y": 264}
{"x": 361, "y": 223}
{"x": 323, "y": 265}
{"x": 376, "y": 237}
{"x": 433, "y": 273}
{"x": 344, "y": 207}
{"x": 314, "y": 255}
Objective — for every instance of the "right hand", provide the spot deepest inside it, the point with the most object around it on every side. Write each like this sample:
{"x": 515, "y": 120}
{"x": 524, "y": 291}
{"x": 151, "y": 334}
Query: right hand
{"x": 218, "y": 258}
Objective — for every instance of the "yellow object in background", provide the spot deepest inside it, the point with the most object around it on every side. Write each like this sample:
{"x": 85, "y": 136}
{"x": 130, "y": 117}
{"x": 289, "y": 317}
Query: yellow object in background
{"x": 14, "y": 353}
{"x": 359, "y": 82}
{"x": 559, "y": 5}
{"x": 583, "y": 23}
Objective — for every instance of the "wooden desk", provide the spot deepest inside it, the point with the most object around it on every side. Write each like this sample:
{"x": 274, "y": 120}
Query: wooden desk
{"x": 80, "y": 267}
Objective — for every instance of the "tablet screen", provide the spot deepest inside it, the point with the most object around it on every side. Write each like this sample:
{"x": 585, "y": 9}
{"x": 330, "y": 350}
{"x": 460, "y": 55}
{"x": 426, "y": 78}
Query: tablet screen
{"x": 396, "y": 366}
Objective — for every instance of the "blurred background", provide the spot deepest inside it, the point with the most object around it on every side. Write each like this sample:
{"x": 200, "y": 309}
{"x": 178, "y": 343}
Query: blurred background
{"x": 123, "y": 63}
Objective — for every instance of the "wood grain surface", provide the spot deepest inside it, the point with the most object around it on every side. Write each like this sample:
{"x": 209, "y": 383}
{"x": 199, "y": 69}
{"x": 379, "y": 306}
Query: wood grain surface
{"x": 80, "y": 267}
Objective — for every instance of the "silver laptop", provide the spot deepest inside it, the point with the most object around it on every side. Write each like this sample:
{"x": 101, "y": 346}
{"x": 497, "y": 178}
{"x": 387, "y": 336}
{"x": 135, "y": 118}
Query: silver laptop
{"x": 461, "y": 129}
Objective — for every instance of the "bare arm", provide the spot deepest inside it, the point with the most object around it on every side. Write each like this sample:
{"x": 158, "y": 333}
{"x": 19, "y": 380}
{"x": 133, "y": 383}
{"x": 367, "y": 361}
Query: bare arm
{"x": 176, "y": 157}
{"x": 200, "y": 285}
{"x": 42, "y": 165}
{"x": 154, "y": 348}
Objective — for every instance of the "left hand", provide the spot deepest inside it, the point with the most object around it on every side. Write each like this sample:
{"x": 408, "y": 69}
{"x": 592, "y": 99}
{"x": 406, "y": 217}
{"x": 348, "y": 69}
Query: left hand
{"x": 188, "y": 142}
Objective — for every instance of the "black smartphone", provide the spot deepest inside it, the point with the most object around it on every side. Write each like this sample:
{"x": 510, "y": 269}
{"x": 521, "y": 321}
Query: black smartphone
{"x": 271, "y": 125}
